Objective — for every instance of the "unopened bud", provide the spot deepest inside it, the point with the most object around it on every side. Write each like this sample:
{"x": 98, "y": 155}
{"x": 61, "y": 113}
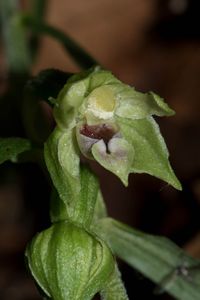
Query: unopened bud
{"x": 68, "y": 262}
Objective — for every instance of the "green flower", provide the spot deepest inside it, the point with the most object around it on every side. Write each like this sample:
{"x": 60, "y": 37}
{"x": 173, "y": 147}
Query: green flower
{"x": 114, "y": 125}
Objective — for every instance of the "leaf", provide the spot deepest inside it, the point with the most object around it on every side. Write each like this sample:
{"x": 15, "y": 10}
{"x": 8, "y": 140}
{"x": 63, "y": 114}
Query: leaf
{"x": 151, "y": 154}
{"x": 155, "y": 257}
{"x": 11, "y": 148}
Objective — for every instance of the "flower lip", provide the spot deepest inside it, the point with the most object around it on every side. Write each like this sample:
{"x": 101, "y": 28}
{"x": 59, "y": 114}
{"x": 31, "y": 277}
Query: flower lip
{"x": 103, "y": 132}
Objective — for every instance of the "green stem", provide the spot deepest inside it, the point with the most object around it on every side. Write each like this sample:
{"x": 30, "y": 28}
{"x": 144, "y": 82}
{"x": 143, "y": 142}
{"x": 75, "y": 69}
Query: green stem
{"x": 84, "y": 206}
{"x": 80, "y": 56}
{"x": 38, "y": 9}
{"x": 16, "y": 46}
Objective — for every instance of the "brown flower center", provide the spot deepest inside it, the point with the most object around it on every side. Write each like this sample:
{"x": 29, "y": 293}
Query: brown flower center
{"x": 104, "y": 131}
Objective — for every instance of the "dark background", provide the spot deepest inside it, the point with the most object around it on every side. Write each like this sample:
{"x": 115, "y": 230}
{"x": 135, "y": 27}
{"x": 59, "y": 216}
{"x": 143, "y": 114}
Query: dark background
{"x": 152, "y": 45}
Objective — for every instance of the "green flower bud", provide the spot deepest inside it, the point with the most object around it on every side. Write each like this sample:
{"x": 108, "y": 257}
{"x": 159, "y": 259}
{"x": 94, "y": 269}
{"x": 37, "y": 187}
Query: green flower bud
{"x": 114, "y": 124}
{"x": 68, "y": 262}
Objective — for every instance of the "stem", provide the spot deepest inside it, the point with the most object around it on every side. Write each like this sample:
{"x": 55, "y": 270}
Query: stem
{"x": 80, "y": 56}
{"x": 16, "y": 46}
{"x": 84, "y": 206}
{"x": 38, "y": 9}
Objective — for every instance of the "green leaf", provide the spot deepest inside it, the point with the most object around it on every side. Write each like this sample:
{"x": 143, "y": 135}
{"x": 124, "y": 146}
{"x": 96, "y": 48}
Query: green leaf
{"x": 151, "y": 154}
{"x": 156, "y": 257}
{"x": 11, "y": 148}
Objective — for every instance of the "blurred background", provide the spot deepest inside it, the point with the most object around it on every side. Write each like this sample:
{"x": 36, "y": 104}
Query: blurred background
{"x": 151, "y": 45}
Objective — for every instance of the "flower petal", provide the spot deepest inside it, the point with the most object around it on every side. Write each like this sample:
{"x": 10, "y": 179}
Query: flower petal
{"x": 117, "y": 157}
{"x": 151, "y": 154}
{"x": 136, "y": 105}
